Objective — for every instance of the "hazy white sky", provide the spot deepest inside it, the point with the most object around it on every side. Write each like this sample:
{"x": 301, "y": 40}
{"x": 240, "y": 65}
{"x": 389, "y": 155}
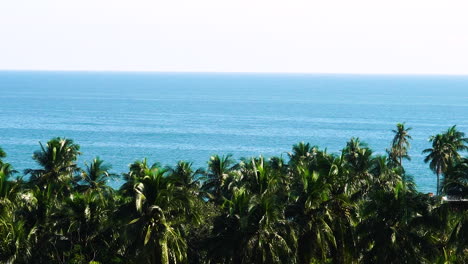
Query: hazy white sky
{"x": 328, "y": 36}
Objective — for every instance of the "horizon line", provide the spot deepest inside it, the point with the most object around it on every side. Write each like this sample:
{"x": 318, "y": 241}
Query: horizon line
{"x": 238, "y": 72}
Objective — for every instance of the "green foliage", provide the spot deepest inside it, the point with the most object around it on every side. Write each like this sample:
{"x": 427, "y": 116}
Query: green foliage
{"x": 313, "y": 207}
{"x": 445, "y": 152}
{"x": 400, "y": 145}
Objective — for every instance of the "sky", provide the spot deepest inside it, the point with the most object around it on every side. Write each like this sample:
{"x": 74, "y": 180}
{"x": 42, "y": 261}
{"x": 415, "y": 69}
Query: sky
{"x": 328, "y": 36}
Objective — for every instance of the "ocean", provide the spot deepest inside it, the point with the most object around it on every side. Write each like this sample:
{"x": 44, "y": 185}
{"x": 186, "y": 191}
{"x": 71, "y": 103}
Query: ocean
{"x": 166, "y": 117}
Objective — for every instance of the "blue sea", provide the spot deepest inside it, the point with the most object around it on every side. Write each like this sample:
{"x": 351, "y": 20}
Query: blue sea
{"x": 167, "y": 117}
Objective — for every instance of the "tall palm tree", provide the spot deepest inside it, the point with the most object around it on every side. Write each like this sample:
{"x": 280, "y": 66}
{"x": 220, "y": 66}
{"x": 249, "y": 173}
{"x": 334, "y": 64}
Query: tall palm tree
{"x": 252, "y": 229}
{"x": 311, "y": 213}
{"x": 456, "y": 181}
{"x": 96, "y": 175}
{"x": 400, "y": 144}
{"x": 57, "y": 160}
{"x": 358, "y": 155}
{"x": 355, "y": 207}
{"x": 138, "y": 170}
{"x": 220, "y": 169}
{"x": 438, "y": 156}
{"x": 183, "y": 175}
{"x": 390, "y": 228}
{"x": 301, "y": 149}
{"x": 38, "y": 205}
{"x": 445, "y": 151}
{"x": 457, "y": 141}
{"x": 301, "y": 152}
{"x": 161, "y": 212}
{"x": 84, "y": 222}
{"x": 357, "y": 158}
{"x": 385, "y": 176}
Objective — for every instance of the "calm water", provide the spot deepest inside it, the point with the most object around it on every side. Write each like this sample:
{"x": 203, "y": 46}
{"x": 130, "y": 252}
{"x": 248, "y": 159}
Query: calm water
{"x": 122, "y": 117}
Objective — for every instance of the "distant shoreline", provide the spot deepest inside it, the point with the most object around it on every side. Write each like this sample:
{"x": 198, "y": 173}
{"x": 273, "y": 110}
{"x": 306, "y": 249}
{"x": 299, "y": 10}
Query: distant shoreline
{"x": 323, "y": 74}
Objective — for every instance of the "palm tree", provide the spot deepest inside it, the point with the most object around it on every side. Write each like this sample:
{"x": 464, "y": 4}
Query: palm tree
{"x": 457, "y": 141}
{"x": 358, "y": 155}
{"x": 252, "y": 229}
{"x": 85, "y": 226}
{"x": 317, "y": 207}
{"x": 458, "y": 238}
{"x": 2, "y": 154}
{"x": 385, "y": 176}
{"x": 96, "y": 175}
{"x": 357, "y": 158}
{"x": 161, "y": 211}
{"x": 400, "y": 144}
{"x": 444, "y": 151}
{"x": 305, "y": 154}
{"x": 390, "y": 228}
{"x": 6, "y": 169}
{"x": 438, "y": 156}
{"x": 301, "y": 152}
{"x": 456, "y": 181}
{"x": 8, "y": 188}
{"x": 57, "y": 160}
{"x": 220, "y": 169}
{"x": 15, "y": 240}
{"x": 184, "y": 176}
{"x": 312, "y": 216}
{"x": 137, "y": 172}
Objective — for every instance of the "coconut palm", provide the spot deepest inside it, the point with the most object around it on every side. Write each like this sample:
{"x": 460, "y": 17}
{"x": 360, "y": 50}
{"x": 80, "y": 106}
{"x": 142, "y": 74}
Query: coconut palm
{"x": 459, "y": 235}
{"x": 6, "y": 169}
{"x": 278, "y": 164}
{"x": 57, "y": 161}
{"x": 256, "y": 175}
{"x": 183, "y": 175}
{"x": 342, "y": 210}
{"x": 2, "y": 154}
{"x": 445, "y": 151}
{"x": 385, "y": 176}
{"x": 32, "y": 224}
{"x": 252, "y": 229}
{"x": 15, "y": 240}
{"x": 438, "y": 156}
{"x": 357, "y": 158}
{"x": 321, "y": 206}
{"x": 355, "y": 207}
{"x": 86, "y": 227}
{"x": 455, "y": 182}
{"x": 137, "y": 172}
{"x": 220, "y": 169}
{"x": 400, "y": 144}
{"x": 7, "y": 187}
{"x": 390, "y": 229}
{"x": 161, "y": 209}
{"x": 96, "y": 176}
{"x": 357, "y": 155}
{"x": 312, "y": 216}
{"x": 302, "y": 152}
{"x": 457, "y": 141}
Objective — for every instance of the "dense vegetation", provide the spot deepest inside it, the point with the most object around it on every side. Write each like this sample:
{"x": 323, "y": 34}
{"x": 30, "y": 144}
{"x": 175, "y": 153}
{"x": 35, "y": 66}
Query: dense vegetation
{"x": 312, "y": 207}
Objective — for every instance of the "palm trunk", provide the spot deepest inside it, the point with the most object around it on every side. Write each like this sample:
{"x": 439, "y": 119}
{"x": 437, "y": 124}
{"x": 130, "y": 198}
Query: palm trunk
{"x": 438, "y": 176}
{"x": 164, "y": 250}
